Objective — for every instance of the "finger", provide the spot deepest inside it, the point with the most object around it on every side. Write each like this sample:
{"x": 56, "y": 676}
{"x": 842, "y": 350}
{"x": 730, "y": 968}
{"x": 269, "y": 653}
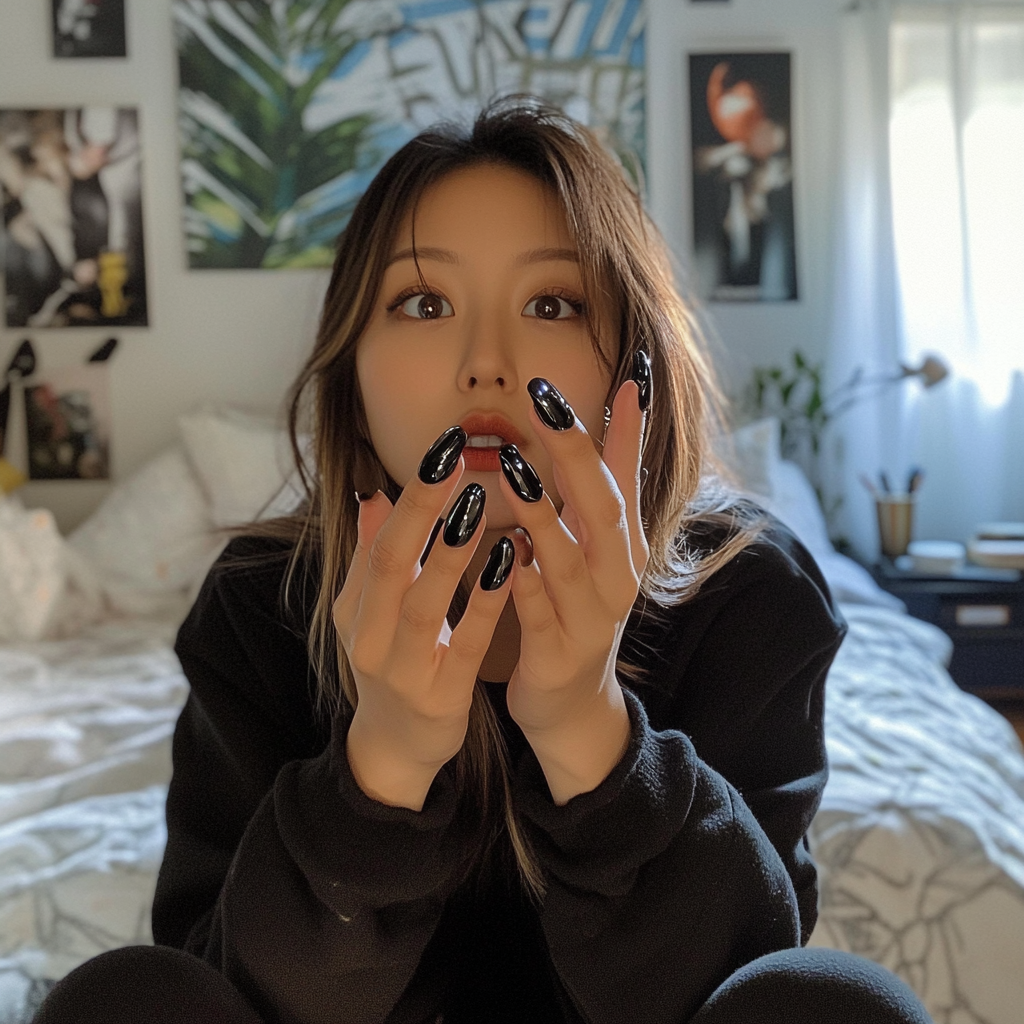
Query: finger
{"x": 568, "y": 513}
{"x": 372, "y": 514}
{"x": 591, "y": 490}
{"x": 536, "y": 613}
{"x": 393, "y": 557}
{"x": 472, "y": 637}
{"x": 425, "y": 605}
{"x": 623, "y": 445}
{"x": 566, "y": 574}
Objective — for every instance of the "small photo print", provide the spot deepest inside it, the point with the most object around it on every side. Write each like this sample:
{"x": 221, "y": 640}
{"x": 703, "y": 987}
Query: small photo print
{"x": 67, "y": 417}
{"x": 72, "y": 197}
{"x": 89, "y": 28}
{"x": 741, "y": 140}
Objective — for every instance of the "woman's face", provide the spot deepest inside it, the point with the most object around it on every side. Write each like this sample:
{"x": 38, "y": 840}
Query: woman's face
{"x": 504, "y": 305}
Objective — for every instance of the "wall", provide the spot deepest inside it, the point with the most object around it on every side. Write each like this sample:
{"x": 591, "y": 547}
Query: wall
{"x": 239, "y": 336}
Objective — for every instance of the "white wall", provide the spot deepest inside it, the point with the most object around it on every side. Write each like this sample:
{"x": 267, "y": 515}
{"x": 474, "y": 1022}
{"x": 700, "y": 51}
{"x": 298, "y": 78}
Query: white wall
{"x": 239, "y": 336}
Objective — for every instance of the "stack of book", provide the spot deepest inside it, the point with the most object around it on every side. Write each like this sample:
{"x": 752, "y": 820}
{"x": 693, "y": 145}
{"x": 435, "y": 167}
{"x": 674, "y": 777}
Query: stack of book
{"x": 998, "y": 546}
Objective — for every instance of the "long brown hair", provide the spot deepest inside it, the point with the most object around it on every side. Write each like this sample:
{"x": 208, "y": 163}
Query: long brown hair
{"x": 627, "y": 275}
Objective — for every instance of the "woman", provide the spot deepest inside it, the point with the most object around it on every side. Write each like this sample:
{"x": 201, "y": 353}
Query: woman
{"x": 400, "y": 795}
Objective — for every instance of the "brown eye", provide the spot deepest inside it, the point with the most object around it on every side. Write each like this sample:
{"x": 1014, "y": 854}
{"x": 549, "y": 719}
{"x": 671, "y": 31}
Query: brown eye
{"x": 550, "y": 307}
{"x": 426, "y": 306}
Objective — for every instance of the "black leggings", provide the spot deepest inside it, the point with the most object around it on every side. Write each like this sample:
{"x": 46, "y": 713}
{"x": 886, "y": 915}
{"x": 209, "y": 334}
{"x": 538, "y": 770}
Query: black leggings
{"x": 160, "y": 985}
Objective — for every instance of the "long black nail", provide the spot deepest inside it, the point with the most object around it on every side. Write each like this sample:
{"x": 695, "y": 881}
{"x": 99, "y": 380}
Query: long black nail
{"x": 642, "y": 376}
{"x": 520, "y": 474}
{"x": 430, "y": 543}
{"x": 465, "y": 516}
{"x": 443, "y": 456}
{"x": 553, "y": 410}
{"x": 499, "y": 565}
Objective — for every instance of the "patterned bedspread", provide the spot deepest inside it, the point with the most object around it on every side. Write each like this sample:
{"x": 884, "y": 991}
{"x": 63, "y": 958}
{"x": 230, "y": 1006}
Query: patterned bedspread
{"x": 920, "y": 838}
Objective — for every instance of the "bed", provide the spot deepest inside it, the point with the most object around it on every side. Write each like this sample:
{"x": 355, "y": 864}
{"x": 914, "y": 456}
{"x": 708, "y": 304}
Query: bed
{"x": 919, "y": 839}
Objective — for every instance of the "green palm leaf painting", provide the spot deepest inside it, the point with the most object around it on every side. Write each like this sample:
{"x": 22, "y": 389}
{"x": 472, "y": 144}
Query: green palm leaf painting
{"x": 288, "y": 109}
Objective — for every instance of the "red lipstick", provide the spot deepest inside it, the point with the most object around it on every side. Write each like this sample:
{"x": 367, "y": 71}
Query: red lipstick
{"x": 488, "y": 431}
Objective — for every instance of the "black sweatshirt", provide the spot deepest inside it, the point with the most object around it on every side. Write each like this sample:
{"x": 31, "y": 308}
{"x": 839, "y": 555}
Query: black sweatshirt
{"x": 688, "y": 861}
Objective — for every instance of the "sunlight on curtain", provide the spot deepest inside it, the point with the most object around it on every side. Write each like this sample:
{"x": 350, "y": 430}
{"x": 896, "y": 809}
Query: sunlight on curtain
{"x": 957, "y": 177}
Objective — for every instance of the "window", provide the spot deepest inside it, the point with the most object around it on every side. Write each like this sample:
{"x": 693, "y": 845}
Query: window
{"x": 957, "y": 175}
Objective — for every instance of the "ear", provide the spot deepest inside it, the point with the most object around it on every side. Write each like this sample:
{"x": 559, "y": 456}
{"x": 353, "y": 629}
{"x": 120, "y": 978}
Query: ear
{"x": 104, "y": 352}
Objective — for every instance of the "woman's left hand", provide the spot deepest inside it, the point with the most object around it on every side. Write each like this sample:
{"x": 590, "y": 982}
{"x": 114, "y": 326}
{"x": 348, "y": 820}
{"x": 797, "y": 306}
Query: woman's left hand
{"x": 574, "y": 600}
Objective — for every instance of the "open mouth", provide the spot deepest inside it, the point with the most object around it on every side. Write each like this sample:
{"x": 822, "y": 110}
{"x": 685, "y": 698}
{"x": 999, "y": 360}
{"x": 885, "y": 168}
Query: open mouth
{"x": 481, "y": 452}
{"x": 485, "y": 441}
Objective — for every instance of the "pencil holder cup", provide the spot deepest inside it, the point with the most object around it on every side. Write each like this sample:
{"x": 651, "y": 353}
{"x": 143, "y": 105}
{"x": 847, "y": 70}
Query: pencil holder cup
{"x": 895, "y": 523}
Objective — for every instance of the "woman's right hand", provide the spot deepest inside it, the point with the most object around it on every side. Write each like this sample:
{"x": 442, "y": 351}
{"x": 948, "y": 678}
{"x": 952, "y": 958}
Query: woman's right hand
{"x": 415, "y": 676}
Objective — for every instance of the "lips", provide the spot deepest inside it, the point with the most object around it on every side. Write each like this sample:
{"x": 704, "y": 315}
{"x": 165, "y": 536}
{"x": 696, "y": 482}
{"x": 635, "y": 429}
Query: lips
{"x": 487, "y": 433}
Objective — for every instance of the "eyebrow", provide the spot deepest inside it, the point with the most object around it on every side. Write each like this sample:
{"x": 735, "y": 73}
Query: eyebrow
{"x": 543, "y": 255}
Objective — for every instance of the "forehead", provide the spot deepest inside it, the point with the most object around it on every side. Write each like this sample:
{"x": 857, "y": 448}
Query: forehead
{"x": 486, "y": 204}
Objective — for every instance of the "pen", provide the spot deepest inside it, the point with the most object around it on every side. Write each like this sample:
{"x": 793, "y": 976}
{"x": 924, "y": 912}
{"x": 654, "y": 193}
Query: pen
{"x": 884, "y": 480}
{"x": 870, "y": 487}
{"x": 916, "y": 476}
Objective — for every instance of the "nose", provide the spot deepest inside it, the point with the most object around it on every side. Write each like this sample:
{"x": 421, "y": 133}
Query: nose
{"x": 487, "y": 362}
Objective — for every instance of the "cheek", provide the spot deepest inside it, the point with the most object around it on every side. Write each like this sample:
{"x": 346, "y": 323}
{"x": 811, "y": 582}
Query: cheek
{"x": 397, "y": 401}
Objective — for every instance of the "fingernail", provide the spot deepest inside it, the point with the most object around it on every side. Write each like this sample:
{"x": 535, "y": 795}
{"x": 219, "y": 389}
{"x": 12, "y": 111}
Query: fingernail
{"x": 553, "y": 410}
{"x": 498, "y": 566}
{"x": 520, "y": 474}
{"x": 430, "y": 543}
{"x": 443, "y": 456}
{"x": 362, "y": 496}
{"x": 465, "y": 516}
{"x": 642, "y": 377}
{"x": 524, "y": 545}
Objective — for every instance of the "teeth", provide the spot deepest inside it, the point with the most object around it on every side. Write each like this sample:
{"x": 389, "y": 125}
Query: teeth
{"x": 484, "y": 441}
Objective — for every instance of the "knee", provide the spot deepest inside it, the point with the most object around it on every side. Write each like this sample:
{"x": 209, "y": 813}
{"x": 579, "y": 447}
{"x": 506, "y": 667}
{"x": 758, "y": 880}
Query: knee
{"x": 153, "y": 983}
{"x": 812, "y": 986}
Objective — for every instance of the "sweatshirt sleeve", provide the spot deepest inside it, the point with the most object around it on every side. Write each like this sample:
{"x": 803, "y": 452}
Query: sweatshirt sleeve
{"x": 741, "y": 670}
{"x": 305, "y": 893}
{"x": 660, "y": 883}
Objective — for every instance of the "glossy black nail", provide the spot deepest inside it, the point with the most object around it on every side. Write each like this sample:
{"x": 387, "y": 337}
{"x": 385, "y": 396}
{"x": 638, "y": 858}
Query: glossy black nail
{"x": 554, "y": 411}
{"x": 443, "y": 456}
{"x": 642, "y": 377}
{"x": 499, "y": 565}
{"x": 430, "y": 543}
{"x": 464, "y": 517}
{"x": 520, "y": 474}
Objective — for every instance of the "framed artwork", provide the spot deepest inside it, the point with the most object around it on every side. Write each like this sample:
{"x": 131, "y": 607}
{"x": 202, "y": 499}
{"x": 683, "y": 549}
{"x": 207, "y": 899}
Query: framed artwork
{"x": 68, "y": 424}
{"x": 64, "y": 413}
{"x": 741, "y": 145}
{"x": 89, "y": 28}
{"x": 287, "y": 111}
{"x": 73, "y": 239}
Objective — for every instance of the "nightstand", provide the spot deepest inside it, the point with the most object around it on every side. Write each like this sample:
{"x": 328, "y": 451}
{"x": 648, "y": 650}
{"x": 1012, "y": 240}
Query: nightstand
{"x": 982, "y": 610}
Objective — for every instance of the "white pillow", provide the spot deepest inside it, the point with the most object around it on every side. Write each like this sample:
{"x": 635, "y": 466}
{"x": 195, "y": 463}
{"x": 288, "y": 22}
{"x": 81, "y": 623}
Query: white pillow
{"x": 152, "y": 535}
{"x": 792, "y": 499}
{"x": 241, "y": 460}
{"x": 794, "y": 502}
{"x": 46, "y": 589}
{"x": 752, "y": 453}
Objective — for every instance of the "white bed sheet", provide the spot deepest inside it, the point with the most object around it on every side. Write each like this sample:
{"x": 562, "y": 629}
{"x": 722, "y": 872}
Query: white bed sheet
{"x": 85, "y": 727}
{"x": 919, "y": 837}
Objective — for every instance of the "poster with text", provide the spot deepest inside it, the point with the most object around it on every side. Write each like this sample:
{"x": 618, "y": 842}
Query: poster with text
{"x": 67, "y": 412}
{"x": 72, "y": 198}
{"x": 89, "y": 28}
{"x": 741, "y": 138}
{"x": 287, "y": 111}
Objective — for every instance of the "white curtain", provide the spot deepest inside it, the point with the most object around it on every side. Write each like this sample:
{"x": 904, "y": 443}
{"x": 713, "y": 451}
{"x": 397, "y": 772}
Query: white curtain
{"x": 931, "y": 260}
